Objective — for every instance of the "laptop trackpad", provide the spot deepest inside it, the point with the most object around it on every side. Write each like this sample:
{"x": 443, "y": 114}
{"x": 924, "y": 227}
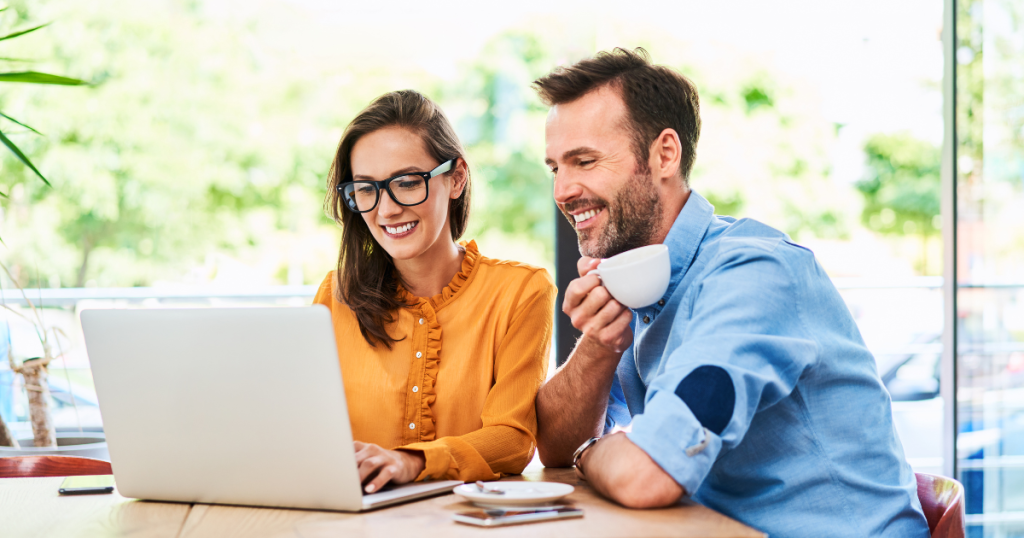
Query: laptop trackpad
{"x": 407, "y": 492}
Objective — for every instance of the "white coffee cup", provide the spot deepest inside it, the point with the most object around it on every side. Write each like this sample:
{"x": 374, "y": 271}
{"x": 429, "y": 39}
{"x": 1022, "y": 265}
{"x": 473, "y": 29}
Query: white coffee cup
{"x": 637, "y": 278}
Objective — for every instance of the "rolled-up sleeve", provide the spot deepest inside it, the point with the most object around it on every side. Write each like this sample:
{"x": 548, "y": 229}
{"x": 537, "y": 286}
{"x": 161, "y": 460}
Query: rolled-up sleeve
{"x": 743, "y": 349}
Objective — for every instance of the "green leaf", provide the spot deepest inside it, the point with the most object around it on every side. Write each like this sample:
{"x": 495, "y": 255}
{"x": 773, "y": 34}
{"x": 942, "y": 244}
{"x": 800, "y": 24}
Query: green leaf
{"x": 22, "y": 124}
{"x": 21, "y": 156}
{"x": 34, "y": 77}
{"x": 23, "y": 32}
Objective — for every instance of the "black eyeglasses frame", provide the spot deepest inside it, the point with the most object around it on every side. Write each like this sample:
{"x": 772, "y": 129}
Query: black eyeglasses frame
{"x": 385, "y": 184}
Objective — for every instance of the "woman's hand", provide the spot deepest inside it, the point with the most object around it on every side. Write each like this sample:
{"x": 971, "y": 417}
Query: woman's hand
{"x": 381, "y": 466}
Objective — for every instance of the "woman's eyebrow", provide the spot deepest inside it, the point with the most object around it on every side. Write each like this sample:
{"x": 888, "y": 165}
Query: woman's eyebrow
{"x": 398, "y": 172}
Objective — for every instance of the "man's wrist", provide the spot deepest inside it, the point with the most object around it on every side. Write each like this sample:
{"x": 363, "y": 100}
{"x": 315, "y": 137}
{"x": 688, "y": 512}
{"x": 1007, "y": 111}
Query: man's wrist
{"x": 596, "y": 351}
{"x": 577, "y": 457}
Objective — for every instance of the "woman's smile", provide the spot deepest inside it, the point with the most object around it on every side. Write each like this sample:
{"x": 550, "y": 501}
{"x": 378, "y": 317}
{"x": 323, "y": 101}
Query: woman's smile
{"x": 400, "y": 230}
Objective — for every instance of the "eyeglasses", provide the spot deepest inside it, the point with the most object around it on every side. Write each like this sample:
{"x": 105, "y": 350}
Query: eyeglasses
{"x": 408, "y": 189}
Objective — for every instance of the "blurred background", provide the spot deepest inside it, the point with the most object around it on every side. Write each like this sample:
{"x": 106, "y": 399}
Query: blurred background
{"x": 192, "y": 170}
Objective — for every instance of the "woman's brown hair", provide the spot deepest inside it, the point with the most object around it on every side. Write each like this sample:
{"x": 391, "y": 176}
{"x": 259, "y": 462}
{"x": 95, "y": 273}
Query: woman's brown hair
{"x": 367, "y": 280}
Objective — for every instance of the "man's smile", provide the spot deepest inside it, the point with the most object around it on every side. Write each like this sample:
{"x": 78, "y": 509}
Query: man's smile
{"x": 587, "y": 217}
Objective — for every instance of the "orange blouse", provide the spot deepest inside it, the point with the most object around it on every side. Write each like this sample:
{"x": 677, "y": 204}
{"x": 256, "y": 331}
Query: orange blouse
{"x": 460, "y": 384}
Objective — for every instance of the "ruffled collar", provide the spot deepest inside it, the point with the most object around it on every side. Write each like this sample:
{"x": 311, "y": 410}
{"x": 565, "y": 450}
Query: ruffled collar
{"x": 458, "y": 281}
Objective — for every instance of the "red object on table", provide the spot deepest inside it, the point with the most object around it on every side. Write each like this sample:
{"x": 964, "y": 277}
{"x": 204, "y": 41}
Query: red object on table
{"x": 34, "y": 466}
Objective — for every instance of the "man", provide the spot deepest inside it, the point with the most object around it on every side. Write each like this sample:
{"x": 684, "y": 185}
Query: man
{"x": 747, "y": 386}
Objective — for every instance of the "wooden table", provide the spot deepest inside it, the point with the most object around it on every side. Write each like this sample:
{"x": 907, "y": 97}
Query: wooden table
{"x": 31, "y": 507}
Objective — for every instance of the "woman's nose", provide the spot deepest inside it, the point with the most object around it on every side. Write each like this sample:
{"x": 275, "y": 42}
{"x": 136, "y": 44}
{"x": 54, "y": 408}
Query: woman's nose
{"x": 387, "y": 207}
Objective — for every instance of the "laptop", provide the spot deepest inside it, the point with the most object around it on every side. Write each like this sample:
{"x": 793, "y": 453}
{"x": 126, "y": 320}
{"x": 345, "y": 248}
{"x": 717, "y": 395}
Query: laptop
{"x": 230, "y": 406}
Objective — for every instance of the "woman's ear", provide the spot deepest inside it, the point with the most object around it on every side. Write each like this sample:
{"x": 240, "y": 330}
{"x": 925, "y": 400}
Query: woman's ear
{"x": 460, "y": 176}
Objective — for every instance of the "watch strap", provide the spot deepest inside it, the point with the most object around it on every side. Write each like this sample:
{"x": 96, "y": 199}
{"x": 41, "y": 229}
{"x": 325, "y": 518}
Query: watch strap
{"x": 576, "y": 456}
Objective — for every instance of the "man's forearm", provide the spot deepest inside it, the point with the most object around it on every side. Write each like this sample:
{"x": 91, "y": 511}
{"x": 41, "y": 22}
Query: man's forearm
{"x": 571, "y": 406}
{"x": 624, "y": 473}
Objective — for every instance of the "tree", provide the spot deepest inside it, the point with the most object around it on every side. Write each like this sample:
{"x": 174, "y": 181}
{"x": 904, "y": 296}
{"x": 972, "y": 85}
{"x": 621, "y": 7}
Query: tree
{"x": 902, "y": 188}
{"x": 173, "y": 157}
{"x": 501, "y": 130}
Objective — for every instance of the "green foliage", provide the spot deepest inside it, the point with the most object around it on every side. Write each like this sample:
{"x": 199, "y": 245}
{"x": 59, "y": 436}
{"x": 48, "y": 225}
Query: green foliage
{"x": 730, "y": 204}
{"x": 500, "y": 128}
{"x": 902, "y": 188}
{"x": 172, "y": 159}
{"x": 205, "y": 148}
{"x": 755, "y": 97}
{"x": 29, "y": 77}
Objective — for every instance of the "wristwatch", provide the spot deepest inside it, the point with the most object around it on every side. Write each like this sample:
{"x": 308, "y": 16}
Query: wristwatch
{"x": 576, "y": 456}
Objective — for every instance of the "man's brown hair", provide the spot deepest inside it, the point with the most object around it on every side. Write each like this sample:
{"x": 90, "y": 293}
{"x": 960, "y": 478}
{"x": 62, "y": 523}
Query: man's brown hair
{"x": 656, "y": 97}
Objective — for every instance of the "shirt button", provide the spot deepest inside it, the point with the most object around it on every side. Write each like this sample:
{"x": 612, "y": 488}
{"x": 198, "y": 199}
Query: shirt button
{"x": 418, "y": 354}
{"x": 412, "y": 425}
{"x": 660, "y": 303}
{"x": 421, "y": 321}
{"x": 415, "y": 389}
{"x": 647, "y": 319}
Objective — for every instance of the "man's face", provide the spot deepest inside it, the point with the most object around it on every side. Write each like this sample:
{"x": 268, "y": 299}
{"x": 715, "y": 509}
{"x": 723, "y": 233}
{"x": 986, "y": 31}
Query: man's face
{"x": 607, "y": 195}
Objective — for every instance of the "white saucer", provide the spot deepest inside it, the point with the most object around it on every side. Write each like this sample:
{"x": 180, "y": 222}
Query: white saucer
{"x": 516, "y": 493}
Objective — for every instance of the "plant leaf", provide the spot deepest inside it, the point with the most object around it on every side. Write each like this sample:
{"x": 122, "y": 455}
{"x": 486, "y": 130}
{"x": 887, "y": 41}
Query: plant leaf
{"x": 23, "y": 32}
{"x": 34, "y": 77}
{"x": 21, "y": 156}
{"x": 22, "y": 124}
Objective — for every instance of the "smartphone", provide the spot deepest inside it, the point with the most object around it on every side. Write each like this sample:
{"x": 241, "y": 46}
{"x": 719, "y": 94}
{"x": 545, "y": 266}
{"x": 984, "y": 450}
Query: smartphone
{"x": 82, "y": 485}
{"x": 497, "y": 518}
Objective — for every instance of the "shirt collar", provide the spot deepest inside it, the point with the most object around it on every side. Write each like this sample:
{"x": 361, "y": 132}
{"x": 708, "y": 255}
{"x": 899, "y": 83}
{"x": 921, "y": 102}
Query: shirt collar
{"x": 686, "y": 234}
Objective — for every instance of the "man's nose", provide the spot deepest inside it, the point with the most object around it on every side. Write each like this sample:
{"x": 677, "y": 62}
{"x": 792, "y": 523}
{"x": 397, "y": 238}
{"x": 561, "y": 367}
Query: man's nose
{"x": 566, "y": 189}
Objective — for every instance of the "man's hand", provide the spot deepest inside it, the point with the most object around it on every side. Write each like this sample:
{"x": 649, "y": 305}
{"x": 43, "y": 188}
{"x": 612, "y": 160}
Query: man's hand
{"x": 378, "y": 466}
{"x": 603, "y": 321}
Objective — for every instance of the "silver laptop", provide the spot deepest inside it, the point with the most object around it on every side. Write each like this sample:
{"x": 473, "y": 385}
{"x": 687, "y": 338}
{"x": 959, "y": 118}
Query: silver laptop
{"x": 230, "y": 406}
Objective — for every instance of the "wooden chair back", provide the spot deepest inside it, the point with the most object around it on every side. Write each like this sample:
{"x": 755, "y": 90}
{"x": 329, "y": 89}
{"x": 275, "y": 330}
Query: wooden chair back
{"x": 32, "y": 466}
{"x": 943, "y": 502}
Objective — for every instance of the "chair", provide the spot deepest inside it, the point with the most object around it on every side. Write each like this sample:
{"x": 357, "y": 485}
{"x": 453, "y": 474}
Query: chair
{"x": 943, "y": 502}
{"x": 34, "y": 466}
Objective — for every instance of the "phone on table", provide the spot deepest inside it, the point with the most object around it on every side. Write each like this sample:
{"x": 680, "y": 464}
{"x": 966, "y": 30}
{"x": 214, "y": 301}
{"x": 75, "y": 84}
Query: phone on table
{"x": 497, "y": 517}
{"x": 84, "y": 485}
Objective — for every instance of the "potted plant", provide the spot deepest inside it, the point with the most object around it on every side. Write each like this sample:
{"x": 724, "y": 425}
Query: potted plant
{"x": 34, "y": 372}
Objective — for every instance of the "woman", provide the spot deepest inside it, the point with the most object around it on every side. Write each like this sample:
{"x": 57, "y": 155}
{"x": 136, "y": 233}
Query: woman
{"x": 442, "y": 349}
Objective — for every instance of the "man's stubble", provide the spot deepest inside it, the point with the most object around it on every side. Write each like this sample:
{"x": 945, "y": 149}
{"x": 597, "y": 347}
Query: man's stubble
{"x": 633, "y": 218}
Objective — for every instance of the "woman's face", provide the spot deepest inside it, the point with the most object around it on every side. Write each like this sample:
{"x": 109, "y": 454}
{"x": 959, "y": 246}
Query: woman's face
{"x": 405, "y": 232}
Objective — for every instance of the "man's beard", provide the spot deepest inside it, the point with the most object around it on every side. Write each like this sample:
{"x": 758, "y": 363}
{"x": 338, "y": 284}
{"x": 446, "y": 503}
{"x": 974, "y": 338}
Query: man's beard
{"x": 633, "y": 218}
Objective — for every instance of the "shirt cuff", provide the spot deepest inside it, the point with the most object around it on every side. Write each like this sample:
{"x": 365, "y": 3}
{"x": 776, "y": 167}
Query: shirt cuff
{"x": 438, "y": 461}
{"x": 669, "y": 433}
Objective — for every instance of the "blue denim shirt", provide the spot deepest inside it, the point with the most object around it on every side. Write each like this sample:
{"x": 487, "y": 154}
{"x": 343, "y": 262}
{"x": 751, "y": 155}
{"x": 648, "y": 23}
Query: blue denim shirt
{"x": 750, "y": 385}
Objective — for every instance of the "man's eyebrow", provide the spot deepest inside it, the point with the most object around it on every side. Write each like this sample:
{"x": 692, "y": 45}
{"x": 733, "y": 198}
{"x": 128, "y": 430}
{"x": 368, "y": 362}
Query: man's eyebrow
{"x": 398, "y": 172}
{"x": 575, "y": 152}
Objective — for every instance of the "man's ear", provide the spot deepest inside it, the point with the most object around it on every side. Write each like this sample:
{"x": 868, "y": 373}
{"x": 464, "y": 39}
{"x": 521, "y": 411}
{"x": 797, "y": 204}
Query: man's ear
{"x": 460, "y": 176}
{"x": 666, "y": 154}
